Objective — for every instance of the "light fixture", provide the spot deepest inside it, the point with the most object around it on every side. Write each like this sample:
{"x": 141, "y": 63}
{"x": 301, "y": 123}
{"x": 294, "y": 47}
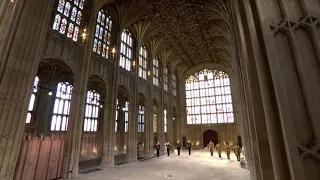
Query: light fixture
{"x": 50, "y": 93}
{"x": 174, "y": 119}
{"x": 84, "y": 34}
{"x": 134, "y": 63}
{"x": 149, "y": 73}
{"x": 12, "y": 0}
{"x": 101, "y": 106}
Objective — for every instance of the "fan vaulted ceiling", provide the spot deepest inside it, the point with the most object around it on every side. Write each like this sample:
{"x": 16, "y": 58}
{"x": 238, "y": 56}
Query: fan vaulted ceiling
{"x": 183, "y": 33}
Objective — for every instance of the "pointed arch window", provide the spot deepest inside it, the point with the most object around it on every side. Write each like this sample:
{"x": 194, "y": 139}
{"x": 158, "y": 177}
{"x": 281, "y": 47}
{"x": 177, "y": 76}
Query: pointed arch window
{"x": 165, "y": 118}
{"x": 156, "y": 71}
{"x": 102, "y": 38}
{"x": 208, "y": 98}
{"x": 126, "y": 51}
{"x": 165, "y": 79}
{"x": 32, "y": 100}
{"x": 174, "y": 84}
{"x": 143, "y": 63}
{"x": 68, "y": 18}
{"x": 92, "y": 111}
{"x": 141, "y": 119}
{"x": 60, "y": 115}
{"x": 126, "y": 116}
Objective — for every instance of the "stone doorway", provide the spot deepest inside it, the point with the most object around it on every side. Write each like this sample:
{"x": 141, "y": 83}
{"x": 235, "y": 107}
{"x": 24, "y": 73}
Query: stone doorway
{"x": 210, "y": 135}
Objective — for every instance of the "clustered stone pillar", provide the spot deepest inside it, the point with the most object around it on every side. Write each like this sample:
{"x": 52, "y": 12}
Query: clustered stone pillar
{"x": 16, "y": 78}
{"x": 279, "y": 50}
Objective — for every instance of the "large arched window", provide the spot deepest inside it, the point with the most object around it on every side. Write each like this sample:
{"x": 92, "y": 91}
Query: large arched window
{"x": 141, "y": 119}
{"x": 156, "y": 71}
{"x": 174, "y": 84}
{"x": 208, "y": 98}
{"x": 91, "y": 112}
{"x": 117, "y": 116}
{"x": 68, "y": 18}
{"x": 126, "y": 51}
{"x": 102, "y": 39}
{"x": 165, "y": 119}
{"x": 165, "y": 78}
{"x": 60, "y": 116}
{"x": 143, "y": 63}
{"x": 32, "y": 100}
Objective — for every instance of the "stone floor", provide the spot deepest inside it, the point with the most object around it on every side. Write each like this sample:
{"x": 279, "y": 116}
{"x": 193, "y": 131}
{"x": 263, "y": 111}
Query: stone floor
{"x": 200, "y": 165}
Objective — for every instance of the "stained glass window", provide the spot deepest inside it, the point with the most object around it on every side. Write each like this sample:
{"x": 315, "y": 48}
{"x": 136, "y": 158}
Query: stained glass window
{"x": 208, "y": 98}
{"x": 92, "y": 111}
{"x": 156, "y": 71}
{"x": 165, "y": 120}
{"x": 143, "y": 63}
{"x": 68, "y": 18}
{"x": 174, "y": 84}
{"x": 126, "y": 51}
{"x": 32, "y": 101}
{"x": 141, "y": 119}
{"x": 102, "y": 39}
{"x": 60, "y": 115}
{"x": 124, "y": 110}
{"x": 165, "y": 78}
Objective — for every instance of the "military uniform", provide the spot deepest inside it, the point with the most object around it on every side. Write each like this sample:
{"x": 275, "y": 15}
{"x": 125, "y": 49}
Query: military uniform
{"x": 219, "y": 149}
{"x": 178, "y": 147}
{"x": 211, "y": 147}
{"x": 237, "y": 151}
{"x": 168, "y": 149}
{"x": 189, "y": 147}
{"x": 158, "y": 150}
{"x": 228, "y": 148}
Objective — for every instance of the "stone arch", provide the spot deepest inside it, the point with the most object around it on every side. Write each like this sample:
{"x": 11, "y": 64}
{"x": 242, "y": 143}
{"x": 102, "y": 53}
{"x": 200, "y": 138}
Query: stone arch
{"x": 55, "y": 70}
{"x": 142, "y": 99}
{"x": 210, "y": 135}
{"x": 96, "y": 82}
{"x": 123, "y": 93}
{"x": 200, "y": 67}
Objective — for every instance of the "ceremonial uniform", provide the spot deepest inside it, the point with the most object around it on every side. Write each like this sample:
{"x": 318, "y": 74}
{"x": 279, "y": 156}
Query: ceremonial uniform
{"x": 168, "y": 149}
{"x": 178, "y": 147}
{"x": 158, "y": 149}
{"x": 189, "y": 147}
{"x": 228, "y": 148}
{"x": 237, "y": 151}
{"x": 219, "y": 149}
{"x": 211, "y": 147}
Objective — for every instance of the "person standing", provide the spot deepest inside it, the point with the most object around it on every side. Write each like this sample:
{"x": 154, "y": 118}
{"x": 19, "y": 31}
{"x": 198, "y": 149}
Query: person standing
{"x": 218, "y": 148}
{"x": 168, "y": 148}
{"x": 189, "y": 146}
{"x": 211, "y": 146}
{"x": 158, "y": 149}
{"x": 228, "y": 150}
{"x": 237, "y": 151}
{"x": 178, "y": 147}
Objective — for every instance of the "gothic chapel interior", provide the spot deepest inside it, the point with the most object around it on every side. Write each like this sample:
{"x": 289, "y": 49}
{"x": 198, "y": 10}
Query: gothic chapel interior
{"x": 84, "y": 80}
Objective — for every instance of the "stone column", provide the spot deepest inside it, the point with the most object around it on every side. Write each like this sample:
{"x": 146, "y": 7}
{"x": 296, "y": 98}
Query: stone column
{"x": 19, "y": 47}
{"x": 149, "y": 112}
{"x": 134, "y": 107}
{"x": 110, "y": 113}
{"x": 160, "y": 113}
{"x": 43, "y": 111}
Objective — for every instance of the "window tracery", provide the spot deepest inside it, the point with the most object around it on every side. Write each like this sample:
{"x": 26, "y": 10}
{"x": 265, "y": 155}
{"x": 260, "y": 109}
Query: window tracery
{"x": 141, "y": 119}
{"x": 68, "y": 18}
{"x": 165, "y": 78}
{"x": 156, "y": 71}
{"x": 32, "y": 101}
{"x": 60, "y": 115}
{"x": 102, "y": 40}
{"x": 143, "y": 63}
{"x": 92, "y": 112}
{"x": 208, "y": 98}
{"x": 126, "y": 52}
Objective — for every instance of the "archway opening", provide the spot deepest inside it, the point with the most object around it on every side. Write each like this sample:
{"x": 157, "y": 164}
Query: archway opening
{"x": 210, "y": 135}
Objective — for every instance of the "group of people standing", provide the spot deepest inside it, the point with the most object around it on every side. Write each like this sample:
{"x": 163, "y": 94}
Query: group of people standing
{"x": 211, "y": 147}
{"x": 237, "y": 149}
{"x": 169, "y": 148}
